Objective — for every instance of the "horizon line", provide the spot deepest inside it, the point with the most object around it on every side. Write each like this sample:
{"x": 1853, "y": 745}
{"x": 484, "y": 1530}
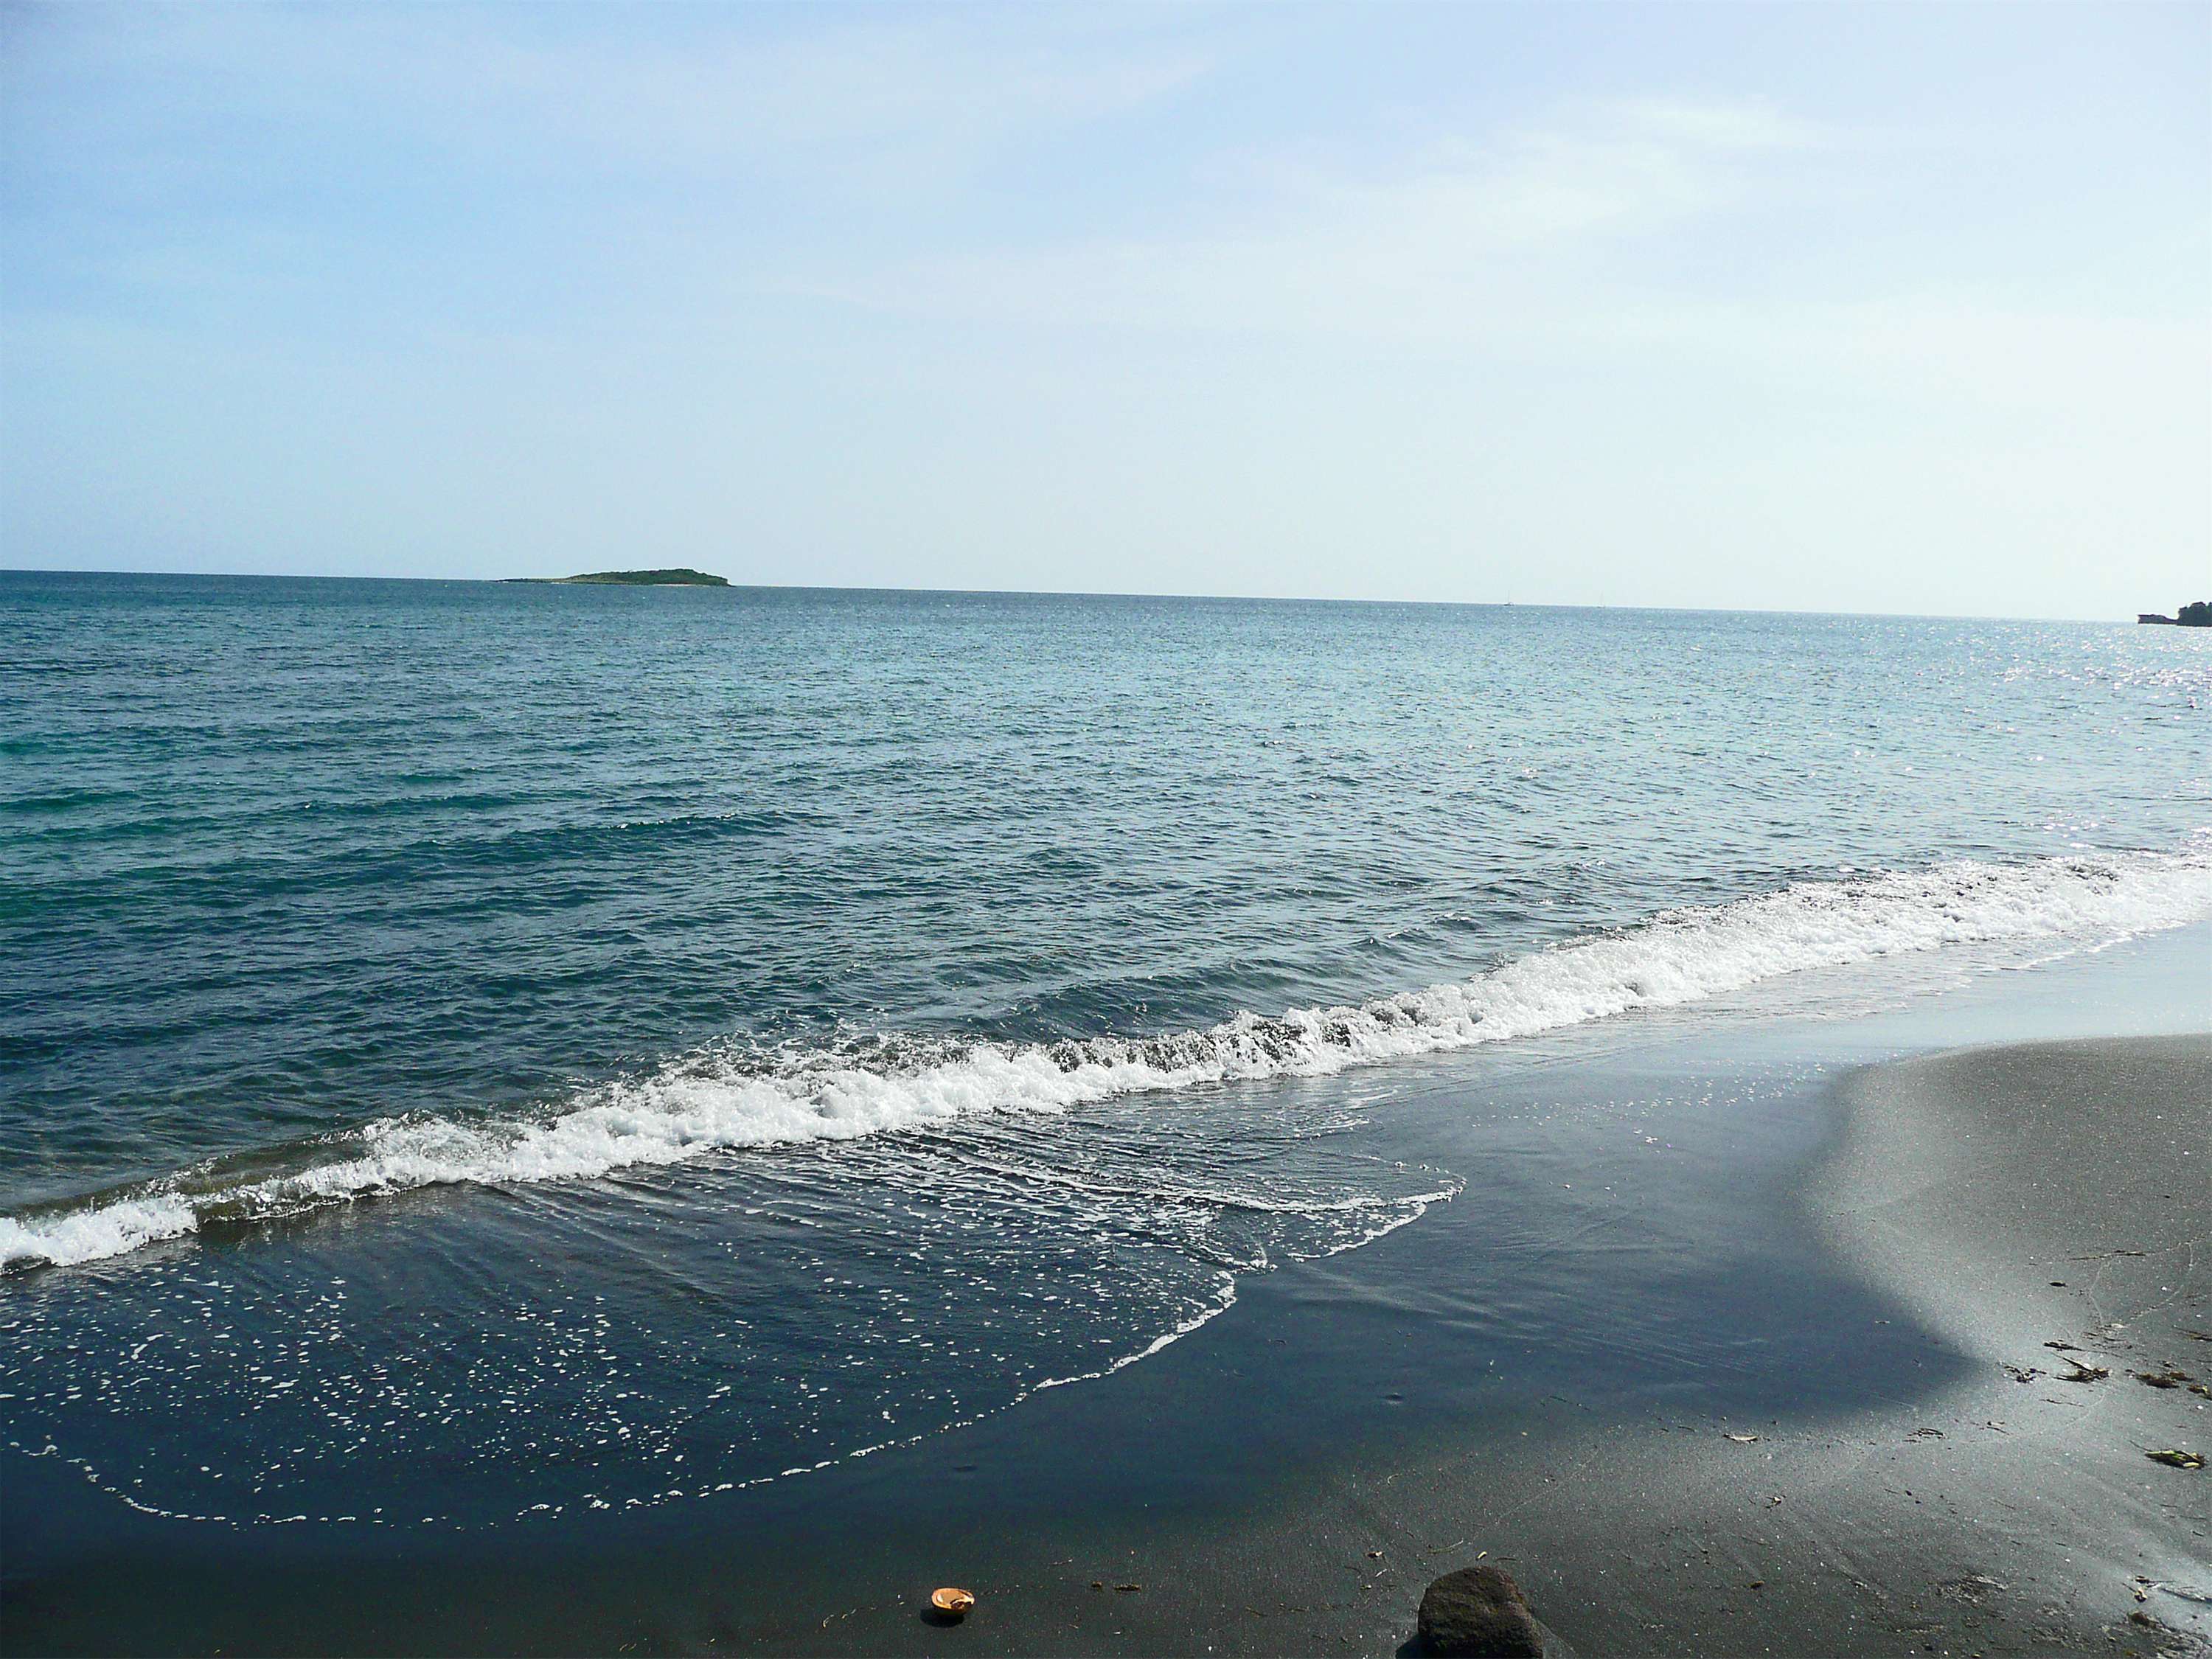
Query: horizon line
{"x": 1060, "y": 593}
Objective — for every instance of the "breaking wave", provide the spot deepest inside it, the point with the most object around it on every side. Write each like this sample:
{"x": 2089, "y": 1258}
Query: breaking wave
{"x": 736, "y": 1097}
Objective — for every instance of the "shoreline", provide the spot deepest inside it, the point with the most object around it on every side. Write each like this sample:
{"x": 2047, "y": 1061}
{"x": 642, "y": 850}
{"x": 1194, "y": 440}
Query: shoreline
{"x": 1545, "y": 1372}
{"x": 1690, "y": 960}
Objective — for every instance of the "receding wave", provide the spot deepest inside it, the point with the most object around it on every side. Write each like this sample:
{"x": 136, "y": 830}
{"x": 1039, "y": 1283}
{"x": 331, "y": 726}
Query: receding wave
{"x": 735, "y": 1097}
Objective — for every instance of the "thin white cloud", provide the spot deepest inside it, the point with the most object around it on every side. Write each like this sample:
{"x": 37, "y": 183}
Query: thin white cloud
{"x": 1554, "y": 244}
{"x": 1458, "y": 241}
{"x": 1742, "y": 124}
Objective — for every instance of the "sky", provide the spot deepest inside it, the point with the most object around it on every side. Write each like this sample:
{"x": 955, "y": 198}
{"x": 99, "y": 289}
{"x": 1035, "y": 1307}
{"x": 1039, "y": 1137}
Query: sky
{"x": 1867, "y": 308}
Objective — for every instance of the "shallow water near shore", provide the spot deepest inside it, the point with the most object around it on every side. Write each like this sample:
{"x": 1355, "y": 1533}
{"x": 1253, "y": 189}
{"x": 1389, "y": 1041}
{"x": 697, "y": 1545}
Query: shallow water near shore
{"x": 502, "y": 1065}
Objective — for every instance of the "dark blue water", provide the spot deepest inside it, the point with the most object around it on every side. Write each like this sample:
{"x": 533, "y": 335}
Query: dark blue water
{"x": 675, "y": 1001}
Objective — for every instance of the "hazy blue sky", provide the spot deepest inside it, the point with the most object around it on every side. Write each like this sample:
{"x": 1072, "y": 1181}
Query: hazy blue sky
{"x": 1895, "y": 307}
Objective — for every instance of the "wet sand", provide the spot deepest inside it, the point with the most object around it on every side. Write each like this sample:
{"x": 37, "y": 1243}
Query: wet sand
{"x": 1982, "y": 1514}
{"x": 1713, "y": 1353}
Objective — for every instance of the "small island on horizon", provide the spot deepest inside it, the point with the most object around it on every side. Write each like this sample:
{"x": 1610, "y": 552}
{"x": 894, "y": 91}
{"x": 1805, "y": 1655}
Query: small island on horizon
{"x": 676, "y": 578}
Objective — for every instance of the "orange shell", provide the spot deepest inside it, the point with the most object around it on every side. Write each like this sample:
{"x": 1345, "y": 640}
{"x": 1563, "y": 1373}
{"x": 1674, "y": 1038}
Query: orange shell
{"x": 954, "y": 1602}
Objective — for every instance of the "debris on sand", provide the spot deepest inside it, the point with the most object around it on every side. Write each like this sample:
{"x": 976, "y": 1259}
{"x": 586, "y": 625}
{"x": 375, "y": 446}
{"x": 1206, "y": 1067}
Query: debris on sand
{"x": 1976, "y": 1587}
{"x": 2164, "y": 1379}
{"x": 950, "y": 1604}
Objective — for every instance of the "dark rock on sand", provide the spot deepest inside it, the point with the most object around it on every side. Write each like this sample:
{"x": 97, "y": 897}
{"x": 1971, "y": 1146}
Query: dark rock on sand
{"x": 1478, "y": 1611}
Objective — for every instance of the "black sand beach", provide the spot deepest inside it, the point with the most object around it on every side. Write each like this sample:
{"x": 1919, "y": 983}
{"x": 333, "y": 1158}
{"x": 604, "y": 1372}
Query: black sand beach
{"x": 1738, "y": 1341}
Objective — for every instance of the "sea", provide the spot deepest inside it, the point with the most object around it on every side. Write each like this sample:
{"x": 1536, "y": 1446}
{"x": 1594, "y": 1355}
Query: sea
{"x": 473, "y": 1053}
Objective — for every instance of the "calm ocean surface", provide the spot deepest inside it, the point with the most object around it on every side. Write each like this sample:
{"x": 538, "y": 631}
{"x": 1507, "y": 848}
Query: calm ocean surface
{"x": 610, "y": 1045}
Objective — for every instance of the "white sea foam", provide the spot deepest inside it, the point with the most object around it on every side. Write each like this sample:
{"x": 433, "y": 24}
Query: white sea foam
{"x": 716, "y": 1101}
{"x": 114, "y": 1228}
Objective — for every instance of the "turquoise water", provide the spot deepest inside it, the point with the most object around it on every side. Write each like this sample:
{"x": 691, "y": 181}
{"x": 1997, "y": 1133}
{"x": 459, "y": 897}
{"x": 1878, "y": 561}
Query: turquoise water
{"x": 678, "y": 999}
